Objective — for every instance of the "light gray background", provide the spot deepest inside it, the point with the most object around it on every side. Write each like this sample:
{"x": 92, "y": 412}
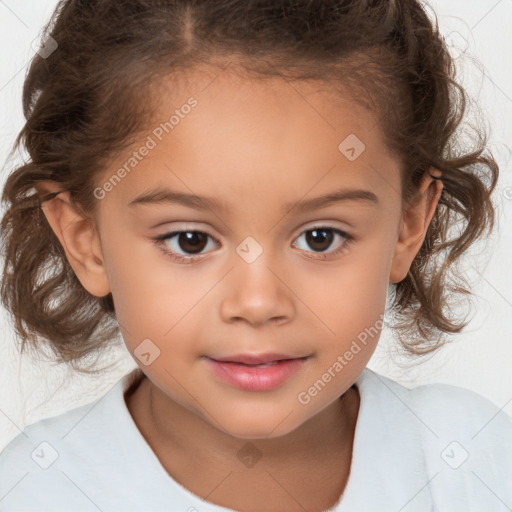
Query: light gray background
{"x": 478, "y": 359}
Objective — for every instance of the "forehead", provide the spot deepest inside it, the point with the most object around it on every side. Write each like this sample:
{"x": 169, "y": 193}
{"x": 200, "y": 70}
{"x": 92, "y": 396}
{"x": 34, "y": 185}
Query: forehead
{"x": 232, "y": 99}
{"x": 218, "y": 133}
{"x": 259, "y": 98}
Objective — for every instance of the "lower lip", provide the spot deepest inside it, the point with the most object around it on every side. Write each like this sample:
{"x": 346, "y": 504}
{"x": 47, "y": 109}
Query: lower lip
{"x": 256, "y": 379}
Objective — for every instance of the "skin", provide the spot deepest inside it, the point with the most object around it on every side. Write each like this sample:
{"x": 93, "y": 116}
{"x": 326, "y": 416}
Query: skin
{"x": 254, "y": 145}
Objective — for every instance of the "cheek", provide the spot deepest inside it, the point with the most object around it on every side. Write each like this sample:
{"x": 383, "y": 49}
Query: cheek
{"x": 150, "y": 294}
{"x": 353, "y": 295}
{"x": 353, "y": 305}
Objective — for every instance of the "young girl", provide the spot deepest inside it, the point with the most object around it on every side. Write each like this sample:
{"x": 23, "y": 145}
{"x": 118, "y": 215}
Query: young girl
{"x": 235, "y": 187}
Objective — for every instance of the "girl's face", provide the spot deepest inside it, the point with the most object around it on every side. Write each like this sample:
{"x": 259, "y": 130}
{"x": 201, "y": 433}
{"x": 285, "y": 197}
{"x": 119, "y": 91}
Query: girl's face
{"x": 262, "y": 265}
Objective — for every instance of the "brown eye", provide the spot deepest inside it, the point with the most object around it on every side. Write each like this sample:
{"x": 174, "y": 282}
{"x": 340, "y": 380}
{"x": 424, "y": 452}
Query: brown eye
{"x": 189, "y": 246}
{"x": 184, "y": 245}
{"x": 319, "y": 239}
{"x": 191, "y": 241}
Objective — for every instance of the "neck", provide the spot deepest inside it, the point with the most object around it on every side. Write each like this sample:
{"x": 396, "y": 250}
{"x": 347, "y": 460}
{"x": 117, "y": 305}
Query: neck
{"x": 195, "y": 453}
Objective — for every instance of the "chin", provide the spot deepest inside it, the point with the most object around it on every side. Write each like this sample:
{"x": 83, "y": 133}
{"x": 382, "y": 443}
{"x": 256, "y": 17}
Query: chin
{"x": 264, "y": 428}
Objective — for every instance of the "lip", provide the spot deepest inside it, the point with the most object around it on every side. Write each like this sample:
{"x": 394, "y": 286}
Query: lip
{"x": 252, "y": 378}
{"x": 254, "y": 358}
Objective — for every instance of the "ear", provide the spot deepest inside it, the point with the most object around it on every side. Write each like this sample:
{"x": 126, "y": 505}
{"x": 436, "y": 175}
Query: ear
{"x": 415, "y": 221}
{"x": 78, "y": 236}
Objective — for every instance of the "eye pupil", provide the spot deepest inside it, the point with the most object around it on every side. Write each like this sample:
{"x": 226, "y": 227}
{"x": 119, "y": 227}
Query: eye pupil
{"x": 190, "y": 240}
{"x": 322, "y": 236}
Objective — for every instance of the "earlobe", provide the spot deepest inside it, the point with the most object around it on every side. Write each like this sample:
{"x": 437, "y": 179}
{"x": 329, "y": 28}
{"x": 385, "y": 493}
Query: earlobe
{"x": 78, "y": 236}
{"x": 414, "y": 225}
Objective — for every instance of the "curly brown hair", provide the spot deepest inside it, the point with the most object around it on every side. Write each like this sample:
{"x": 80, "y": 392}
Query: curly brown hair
{"x": 86, "y": 101}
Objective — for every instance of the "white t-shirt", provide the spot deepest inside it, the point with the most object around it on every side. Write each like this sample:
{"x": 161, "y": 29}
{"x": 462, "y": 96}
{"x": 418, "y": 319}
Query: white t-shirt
{"x": 433, "y": 448}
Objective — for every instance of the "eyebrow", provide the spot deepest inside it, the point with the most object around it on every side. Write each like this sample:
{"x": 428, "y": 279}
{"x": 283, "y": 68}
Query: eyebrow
{"x": 161, "y": 195}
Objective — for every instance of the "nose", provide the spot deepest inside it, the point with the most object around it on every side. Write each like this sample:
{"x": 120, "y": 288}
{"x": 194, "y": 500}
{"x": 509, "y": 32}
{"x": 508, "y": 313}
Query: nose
{"x": 257, "y": 294}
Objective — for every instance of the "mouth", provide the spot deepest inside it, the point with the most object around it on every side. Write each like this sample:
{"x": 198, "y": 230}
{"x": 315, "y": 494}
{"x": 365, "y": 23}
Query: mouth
{"x": 256, "y": 373}
{"x": 255, "y": 360}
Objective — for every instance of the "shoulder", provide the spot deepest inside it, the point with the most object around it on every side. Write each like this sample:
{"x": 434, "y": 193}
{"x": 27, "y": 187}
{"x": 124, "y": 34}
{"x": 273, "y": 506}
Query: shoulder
{"x": 32, "y": 461}
{"x": 439, "y": 400}
{"x": 35, "y": 436}
{"x": 54, "y": 427}
{"x": 104, "y": 414}
{"x": 442, "y": 409}
{"x": 57, "y": 451}
{"x": 456, "y": 442}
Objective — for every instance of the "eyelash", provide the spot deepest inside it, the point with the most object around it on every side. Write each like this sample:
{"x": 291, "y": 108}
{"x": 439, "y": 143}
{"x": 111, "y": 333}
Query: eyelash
{"x": 160, "y": 243}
